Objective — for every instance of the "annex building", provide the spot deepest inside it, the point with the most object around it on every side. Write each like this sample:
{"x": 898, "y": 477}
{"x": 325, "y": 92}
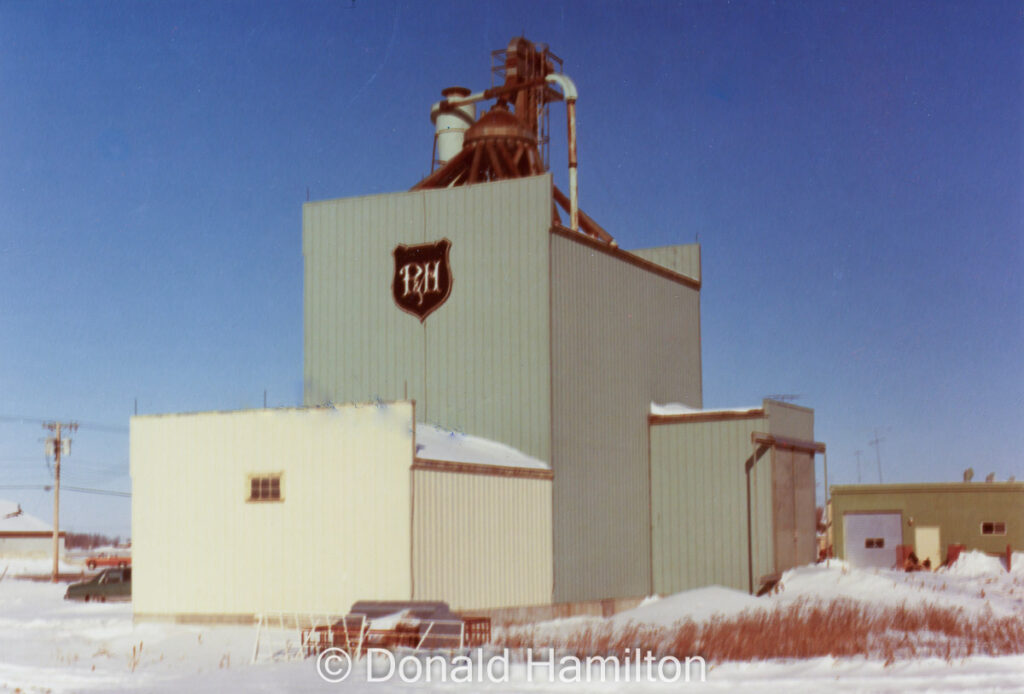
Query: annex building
{"x": 878, "y": 524}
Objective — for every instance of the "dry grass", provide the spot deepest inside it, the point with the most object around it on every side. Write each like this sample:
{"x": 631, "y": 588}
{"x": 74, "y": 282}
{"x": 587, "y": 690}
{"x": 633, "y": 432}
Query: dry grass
{"x": 803, "y": 629}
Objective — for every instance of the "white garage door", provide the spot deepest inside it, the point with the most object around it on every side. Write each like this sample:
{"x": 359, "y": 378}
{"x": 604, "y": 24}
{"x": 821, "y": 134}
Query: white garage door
{"x": 872, "y": 538}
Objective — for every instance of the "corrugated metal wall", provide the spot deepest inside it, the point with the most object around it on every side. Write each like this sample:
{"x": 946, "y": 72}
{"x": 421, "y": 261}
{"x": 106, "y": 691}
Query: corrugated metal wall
{"x": 622, "y": 336}
{"x": 794, "y": 494}
{"x": 683, "y": 259}
{"x": 480, "y": 363}
{"x": 699, "y": 512}
{"x": 794, "y": 508}
{"x": 341, "y": 533}
{"x": 481, "y": 541}
{"x": 791, "y": 421}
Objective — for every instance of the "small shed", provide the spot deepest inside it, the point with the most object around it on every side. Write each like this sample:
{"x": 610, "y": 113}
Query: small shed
{"x": 23, "y": 535}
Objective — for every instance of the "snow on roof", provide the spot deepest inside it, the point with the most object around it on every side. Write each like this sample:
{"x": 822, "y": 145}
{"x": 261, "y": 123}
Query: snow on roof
{"x": 14, "y": 520}
{"x": 437, "y": 443}
{"x": 677, "y": 408}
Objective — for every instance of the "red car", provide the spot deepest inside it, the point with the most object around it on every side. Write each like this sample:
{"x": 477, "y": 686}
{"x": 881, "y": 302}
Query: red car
{"x": 120, "y": 561}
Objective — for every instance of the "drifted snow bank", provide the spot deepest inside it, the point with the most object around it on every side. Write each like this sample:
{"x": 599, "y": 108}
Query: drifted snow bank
{"x": 976, "y": 563}
{"x": 978, "y": 587}
{"x": 699, "y": 605}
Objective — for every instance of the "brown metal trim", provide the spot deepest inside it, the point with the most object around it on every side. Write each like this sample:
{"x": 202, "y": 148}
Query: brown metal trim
{"x": 626, "y": 256}
{"x": 787, "y": 443}
{"x": 692, "y": 418}
{"x": 11, "y": 534}
{"x": 481, "y": 469}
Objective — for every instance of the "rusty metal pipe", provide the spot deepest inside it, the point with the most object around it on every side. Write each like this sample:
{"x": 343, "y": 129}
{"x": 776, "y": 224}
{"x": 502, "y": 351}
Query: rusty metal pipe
{"x": 569, "y": 94}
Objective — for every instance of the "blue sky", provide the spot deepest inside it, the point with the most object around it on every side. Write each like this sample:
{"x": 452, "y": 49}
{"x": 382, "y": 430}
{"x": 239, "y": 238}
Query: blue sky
{"x": 854, "y": 173}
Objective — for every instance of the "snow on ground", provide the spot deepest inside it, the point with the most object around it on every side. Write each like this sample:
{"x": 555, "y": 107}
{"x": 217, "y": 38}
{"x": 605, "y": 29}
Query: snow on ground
{"x": 50, "y": 645}
{"x": 38, "y": 566}
{"x": 699, "y": 605}
{"x": 976, "y": 582}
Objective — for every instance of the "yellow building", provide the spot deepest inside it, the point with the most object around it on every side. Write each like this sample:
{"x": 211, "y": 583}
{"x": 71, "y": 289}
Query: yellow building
{"x": 308, "y": 510}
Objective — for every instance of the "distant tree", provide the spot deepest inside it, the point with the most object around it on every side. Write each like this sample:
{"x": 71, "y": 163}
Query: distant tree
{"x": 89, "y": 540}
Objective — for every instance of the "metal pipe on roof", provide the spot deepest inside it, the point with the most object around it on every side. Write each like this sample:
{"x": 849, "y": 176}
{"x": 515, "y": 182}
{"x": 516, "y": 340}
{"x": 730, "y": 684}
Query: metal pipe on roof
{"x": 569, "y": 93}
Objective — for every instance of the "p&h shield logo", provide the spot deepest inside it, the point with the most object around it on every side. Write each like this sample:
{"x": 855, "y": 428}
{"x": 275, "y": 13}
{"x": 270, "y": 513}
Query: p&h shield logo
{"x": 423, "y": 277}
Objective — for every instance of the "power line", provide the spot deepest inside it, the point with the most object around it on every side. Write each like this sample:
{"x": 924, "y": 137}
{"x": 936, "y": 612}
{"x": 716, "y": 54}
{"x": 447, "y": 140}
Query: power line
{"x": 104, "y": 492}
{"x": 98, "y": 426}
{"x": 81, "y": 490}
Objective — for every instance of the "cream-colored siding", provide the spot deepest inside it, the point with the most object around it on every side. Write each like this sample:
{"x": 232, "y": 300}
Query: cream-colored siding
{"x": 699, "y": 505}
{"x": 622, "y": 336}
{"x": 28, "y": 546}
{"x": 340, "y": 533}
{"x": 481, "y": 541}
{"x": 480, "y": 363}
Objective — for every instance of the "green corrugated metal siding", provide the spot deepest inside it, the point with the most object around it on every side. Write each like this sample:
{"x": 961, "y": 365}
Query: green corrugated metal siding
{"x": 481, "y": 541}
{"x": 958, "y": 508}
{"x": 683, "y": 259}
{"x": 790, "y": 421}
{"x": 699, "y": 511}
{"x": 622, "y": 336}
{"x": 480, "y": 363}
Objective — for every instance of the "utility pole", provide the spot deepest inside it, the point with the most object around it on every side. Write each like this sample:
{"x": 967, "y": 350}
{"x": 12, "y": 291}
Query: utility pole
{"x": 57, "y": 443}
{"x": 857, "y": 453}
{"x": 877, "y": 443}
